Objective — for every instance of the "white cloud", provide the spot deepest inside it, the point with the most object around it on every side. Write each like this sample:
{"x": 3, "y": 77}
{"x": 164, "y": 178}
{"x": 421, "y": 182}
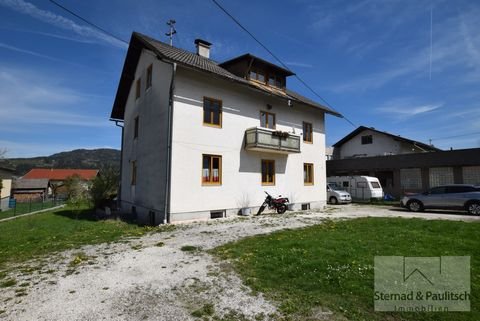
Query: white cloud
{"x": 299, "y": 64}
{"x": 405, "y": 108}
{"x": 60, "y": 21}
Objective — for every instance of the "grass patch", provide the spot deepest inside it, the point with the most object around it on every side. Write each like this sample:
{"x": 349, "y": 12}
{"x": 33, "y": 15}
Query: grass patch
{"x": 32, "y": 236}
{"x": 207, "y": 310}
{"x": 331, "y": 265}
{"x": 8, "y": 283}
{"x": 23, "y": 208}
{"x": 190, "y": 248}
{"x": 160, "y": 244}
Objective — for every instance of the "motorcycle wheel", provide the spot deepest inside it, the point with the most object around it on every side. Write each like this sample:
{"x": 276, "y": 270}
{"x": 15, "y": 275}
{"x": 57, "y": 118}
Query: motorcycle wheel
{"x": 261, "y": 209}
{"x": 281, "y": 208}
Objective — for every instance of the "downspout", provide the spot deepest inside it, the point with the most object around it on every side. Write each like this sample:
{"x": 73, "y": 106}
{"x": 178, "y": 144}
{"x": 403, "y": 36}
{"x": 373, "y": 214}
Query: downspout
{"x": 169, "y": 145}
{"x": 119, "y": 196}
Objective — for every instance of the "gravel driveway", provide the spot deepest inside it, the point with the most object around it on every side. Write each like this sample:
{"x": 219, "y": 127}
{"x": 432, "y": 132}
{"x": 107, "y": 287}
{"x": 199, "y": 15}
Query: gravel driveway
{"x": 151, "y": 278}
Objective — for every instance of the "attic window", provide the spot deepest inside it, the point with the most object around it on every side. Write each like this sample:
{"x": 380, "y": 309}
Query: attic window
{"x": 368, "y": 139}
{"x": 137, "y": 88}
{"x": 149, "y": 77}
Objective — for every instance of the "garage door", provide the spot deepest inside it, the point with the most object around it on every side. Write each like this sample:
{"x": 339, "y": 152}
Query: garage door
{"x": 471, "y": 175}
{"x": 441, "y": 176}
{"x": 411, "y": 178}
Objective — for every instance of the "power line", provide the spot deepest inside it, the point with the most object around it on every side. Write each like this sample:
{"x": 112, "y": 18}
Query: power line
{"x": 455, "y": 136}
{"x": 275, "y": 57}
{"x": 88, "y": 22}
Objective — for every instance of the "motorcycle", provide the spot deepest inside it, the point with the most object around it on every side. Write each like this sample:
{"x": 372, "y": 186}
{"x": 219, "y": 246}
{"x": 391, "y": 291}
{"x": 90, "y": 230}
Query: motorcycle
{"x": 279, "y": 204}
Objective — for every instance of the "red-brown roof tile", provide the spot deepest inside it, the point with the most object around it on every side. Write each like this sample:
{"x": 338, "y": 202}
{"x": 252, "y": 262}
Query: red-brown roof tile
{"x": 61, "y": 174}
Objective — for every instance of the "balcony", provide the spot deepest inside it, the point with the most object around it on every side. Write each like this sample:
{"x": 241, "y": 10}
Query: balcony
{"x": 268, "y": 140}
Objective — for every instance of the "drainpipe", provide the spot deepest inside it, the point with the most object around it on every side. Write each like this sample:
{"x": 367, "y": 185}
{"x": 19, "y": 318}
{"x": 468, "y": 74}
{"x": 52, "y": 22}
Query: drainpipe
{"x": 119, "y": 196}
{"x": 169, "y": 145}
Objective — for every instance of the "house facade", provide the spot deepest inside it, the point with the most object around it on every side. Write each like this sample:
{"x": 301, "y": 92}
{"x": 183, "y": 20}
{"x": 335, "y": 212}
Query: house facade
{"x": 57, "y": 176}
{"x": 370, "y": 142}
{"x": 202, "y": 140}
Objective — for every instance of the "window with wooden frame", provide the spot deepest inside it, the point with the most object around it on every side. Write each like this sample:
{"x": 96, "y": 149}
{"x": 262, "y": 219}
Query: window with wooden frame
{"x": 307, "y": 132}
{"x": 308, "y": 174}
{"x": 137, "y": 88}
{"x": 211, "y": 170}
{"x": 267, "y": 120}
{"x": 212, "y": 112}
{"x": 149, "y": 77}
{"x": 134, "y": 173}
{"x": 268, "y": 172}
{"x": 135, "y": 128}
{"x": 258, "y": 75}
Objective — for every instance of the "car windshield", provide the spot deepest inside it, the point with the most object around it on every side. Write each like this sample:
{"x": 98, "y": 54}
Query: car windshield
{"x": 332, "y": 186}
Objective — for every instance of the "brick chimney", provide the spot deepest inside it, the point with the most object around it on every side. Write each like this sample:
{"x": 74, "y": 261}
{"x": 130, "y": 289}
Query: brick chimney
{"x": 203, "y": 48}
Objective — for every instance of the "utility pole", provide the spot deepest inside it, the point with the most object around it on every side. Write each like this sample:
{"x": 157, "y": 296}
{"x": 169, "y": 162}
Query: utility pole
{"x": 171, "y": 24}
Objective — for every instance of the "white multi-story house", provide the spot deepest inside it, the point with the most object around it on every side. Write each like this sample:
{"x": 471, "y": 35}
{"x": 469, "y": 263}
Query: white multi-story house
{"x": 369, "y": 142}
{"x": 202, "y": 140}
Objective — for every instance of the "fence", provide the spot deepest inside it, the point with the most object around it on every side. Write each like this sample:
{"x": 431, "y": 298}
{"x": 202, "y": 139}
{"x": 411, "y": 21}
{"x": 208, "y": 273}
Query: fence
{"x": 17, "y": 208}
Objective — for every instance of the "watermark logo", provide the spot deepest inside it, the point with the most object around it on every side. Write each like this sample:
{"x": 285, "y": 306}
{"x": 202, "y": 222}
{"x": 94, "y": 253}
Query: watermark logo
{"x": 422, "y": 284}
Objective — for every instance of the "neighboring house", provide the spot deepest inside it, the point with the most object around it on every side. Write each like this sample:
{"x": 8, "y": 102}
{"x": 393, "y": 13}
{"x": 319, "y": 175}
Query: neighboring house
{"x": 369, "y": 142}
{"x": 6, "y": 175}
{"x": 202, "y": 140}
{"x": 26, "y": 190}
{"x": 417, "y": 172}
{"x": 57, "y": 177}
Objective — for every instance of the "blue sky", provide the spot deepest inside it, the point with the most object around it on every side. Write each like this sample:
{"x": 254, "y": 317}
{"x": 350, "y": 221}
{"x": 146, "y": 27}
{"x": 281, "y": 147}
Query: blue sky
{"x": 371, "y": 60}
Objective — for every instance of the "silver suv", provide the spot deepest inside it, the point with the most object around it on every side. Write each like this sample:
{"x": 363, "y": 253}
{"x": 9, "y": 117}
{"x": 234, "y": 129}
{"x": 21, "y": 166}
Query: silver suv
{"x": 458, "y": 196}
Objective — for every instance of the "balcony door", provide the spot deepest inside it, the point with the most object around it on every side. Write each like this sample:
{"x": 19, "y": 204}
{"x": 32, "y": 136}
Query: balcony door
{"x": 267, "y": 120}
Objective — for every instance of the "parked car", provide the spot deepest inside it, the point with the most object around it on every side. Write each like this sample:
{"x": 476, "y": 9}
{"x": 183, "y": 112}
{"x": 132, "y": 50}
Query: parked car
{"x": 456, "y": 196}
{"x": 336, "y": 196}
{"x": 359, "y": 187}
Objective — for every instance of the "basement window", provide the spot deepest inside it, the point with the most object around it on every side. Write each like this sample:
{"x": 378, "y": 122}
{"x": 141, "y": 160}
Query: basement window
{"x": 305, "y": 206}
{"x": 368, "y": 139}
{"x": 217, "y": 214}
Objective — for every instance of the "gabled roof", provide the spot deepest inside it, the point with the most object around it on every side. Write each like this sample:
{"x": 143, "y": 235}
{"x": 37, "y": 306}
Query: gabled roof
{"x": 61, "y": 174}
{"x": 25, "y": 183}
{"x": 188, "y": 60}
{"x": 396, "y": 137}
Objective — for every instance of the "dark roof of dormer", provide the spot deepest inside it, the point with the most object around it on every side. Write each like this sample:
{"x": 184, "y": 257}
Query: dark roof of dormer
{"x": 254, "y": 60}
{"x": 190, "y": 60}
{"x": 360, "y": 129}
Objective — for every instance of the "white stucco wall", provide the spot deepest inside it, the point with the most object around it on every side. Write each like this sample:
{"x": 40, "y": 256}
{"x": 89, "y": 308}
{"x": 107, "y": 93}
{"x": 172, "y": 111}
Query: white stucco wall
{"x": 5, "y": 193}
{"x": 381, "y": 145}
{"x": 241, "y": 170}
{"x": 149, "y": 149}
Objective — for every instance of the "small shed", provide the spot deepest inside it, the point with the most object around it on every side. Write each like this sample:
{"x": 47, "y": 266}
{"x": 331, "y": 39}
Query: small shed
{"x": 25, "y": 190}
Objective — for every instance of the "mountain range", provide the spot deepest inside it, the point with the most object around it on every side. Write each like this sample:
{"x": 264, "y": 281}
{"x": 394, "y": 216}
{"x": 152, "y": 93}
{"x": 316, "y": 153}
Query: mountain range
{"x": 75, "y": 159}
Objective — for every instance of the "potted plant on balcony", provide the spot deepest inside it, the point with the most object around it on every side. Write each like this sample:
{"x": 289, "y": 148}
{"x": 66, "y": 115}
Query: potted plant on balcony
{"x": 281, "y": 134}
{"x": 244, "y": 204}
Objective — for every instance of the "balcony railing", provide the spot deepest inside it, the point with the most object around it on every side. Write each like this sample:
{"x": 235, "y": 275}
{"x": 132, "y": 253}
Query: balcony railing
{"x": 268, "y": 140}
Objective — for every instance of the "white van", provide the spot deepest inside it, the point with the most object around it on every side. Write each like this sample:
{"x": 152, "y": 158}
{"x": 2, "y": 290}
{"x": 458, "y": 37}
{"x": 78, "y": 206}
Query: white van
{"x": 359, "y": 187}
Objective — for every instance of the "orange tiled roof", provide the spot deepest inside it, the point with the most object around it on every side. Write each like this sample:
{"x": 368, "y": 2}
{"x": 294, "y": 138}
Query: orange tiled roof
{"x": 61, "y": 174}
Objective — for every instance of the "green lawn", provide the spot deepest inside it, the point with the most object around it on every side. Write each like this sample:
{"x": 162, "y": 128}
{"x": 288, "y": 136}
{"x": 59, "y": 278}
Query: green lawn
{"x": 32, "y": 236}
{"x": 23, "y": 208}
{"x": 331, "y": 265}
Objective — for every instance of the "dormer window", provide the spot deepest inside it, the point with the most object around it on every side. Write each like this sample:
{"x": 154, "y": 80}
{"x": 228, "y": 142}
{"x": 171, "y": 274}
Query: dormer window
{"x": 257, "y": 75}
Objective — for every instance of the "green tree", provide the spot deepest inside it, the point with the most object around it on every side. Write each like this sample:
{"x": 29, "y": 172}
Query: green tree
{"x": 104, "y": 187}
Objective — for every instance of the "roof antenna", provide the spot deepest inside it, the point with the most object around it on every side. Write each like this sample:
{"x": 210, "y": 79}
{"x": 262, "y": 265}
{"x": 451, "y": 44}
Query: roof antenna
{"x": 171, "y": 24}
